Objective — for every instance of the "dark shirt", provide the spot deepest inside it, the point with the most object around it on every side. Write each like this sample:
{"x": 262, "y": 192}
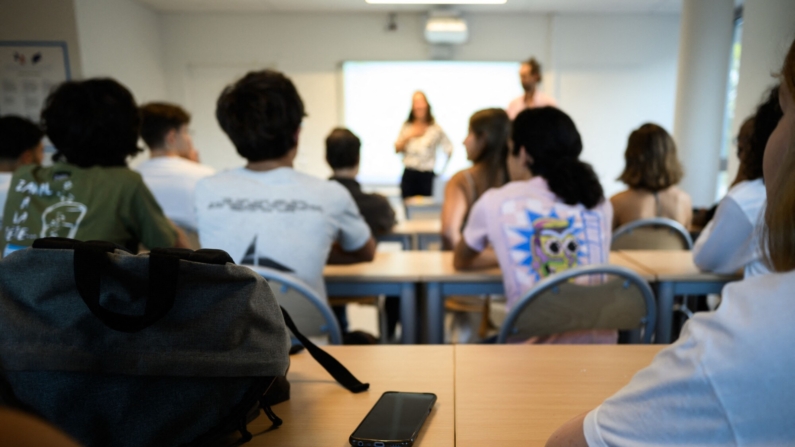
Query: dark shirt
{"x": 375, "y": 208}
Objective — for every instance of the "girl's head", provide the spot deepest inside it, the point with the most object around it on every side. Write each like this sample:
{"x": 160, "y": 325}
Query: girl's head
{"x": 651, "y": 161}
{"x": 779, "y": 165}
{"x": 546, "y": 144}
{"x": 420, "y": 109}
{"x": 489, "y": 131}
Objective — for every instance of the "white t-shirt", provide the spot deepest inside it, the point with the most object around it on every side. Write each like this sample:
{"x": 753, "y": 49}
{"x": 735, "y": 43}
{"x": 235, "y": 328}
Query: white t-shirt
{"x": 5, "y": 184}
{"x": 726, "y": 381}
{"x": 730, "y": 241}
{"x": 279, "y": 216}
{"x": 172, "y": 181}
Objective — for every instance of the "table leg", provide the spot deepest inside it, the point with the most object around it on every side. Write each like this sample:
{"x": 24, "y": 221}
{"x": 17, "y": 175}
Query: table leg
{"x": 435, "y": 313}
{"x": 665, "y": 312}
{"x": 408, "y": 313}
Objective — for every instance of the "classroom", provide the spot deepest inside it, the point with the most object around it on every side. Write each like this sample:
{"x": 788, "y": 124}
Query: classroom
{"x": 396, "y": 222}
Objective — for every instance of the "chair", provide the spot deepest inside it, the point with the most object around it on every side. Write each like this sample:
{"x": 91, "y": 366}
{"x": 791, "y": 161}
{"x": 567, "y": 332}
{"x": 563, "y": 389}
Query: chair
{"x": 311, "y": 314}
{"x": 657, "y": 233}
{"x": 620, "y": 300}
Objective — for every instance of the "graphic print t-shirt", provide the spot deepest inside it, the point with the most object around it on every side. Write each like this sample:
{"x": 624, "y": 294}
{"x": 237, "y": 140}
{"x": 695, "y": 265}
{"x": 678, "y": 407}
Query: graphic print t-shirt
{"x": 97, "y": 203}
{"x": 535, "y": 234}
{"x": 280, "y": 218}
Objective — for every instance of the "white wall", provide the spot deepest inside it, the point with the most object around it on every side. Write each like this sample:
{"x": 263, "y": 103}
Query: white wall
{"x": 610, "y": 72}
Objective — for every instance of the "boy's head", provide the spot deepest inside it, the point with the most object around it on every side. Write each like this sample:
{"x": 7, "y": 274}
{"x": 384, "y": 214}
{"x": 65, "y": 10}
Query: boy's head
{"x": 342, "y": 149}
{"x": 92, "y": 123}
{"x": 261, "y": 113}
{"x": 20, "y": 143}
{"x": 164, "y": 128}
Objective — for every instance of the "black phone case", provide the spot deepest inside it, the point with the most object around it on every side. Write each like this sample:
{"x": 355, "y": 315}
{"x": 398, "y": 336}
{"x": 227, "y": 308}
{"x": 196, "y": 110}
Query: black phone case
{"x": 364, "y": 442}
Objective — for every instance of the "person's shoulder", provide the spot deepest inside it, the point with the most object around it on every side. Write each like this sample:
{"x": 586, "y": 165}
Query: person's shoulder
{"x": 228, "y": 176}
{"x": 749, "y": 190}
{"x": 459, "y": 179}
{"x": 620, "y": 197}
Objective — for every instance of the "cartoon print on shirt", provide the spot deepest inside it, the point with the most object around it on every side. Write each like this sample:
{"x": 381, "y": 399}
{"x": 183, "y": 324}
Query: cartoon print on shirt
{"x": 62, "y": 219}
{"x": 550, "y": 244}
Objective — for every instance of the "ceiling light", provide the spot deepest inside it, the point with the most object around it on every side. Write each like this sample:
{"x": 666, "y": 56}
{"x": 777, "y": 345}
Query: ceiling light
{"x": 437, "y": 2}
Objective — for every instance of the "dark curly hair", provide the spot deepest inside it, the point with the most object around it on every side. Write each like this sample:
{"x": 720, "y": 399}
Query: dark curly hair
{"x": 550, "y": 137}
{"x": 765, "y": 121}
{"x": 18, "y": 135}
{"x": 92, "y": 123}
{"x": 342, "y": 149}
{"x": 261, "y": 114}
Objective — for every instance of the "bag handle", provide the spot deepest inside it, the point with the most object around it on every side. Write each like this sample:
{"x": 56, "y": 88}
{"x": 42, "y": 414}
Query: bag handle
{"x": 91, "y": 261}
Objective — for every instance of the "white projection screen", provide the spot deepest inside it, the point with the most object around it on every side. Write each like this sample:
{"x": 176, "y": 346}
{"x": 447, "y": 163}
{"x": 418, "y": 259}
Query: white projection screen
{"x": 377, "y": 101}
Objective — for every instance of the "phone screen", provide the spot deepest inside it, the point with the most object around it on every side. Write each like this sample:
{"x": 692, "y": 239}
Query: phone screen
{"x": 395, "y": 417}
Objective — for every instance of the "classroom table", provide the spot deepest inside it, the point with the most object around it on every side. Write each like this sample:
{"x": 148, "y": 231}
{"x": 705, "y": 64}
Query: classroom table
{"x": 415, "y": 234}
{"x": 321, "y": 413}
{"x": 675, "y": 274}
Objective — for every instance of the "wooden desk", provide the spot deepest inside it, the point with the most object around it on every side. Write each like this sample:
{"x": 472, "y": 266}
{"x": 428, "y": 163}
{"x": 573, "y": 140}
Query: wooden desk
{"x": 675, "y": 274}
{"x": 321, "y": 413}
{"x": 416, "y": 234}
{"x": 520, "y": 394}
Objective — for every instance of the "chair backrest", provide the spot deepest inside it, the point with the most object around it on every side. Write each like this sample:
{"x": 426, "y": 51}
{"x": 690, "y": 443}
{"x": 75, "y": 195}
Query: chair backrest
{"x": 657, "y": 233}
{"x": 311, "y": 314}
{"x": 603, "y": 297}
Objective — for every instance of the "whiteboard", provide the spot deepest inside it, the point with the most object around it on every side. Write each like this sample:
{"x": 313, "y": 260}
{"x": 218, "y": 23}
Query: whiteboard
{"x": 377, "y": 101}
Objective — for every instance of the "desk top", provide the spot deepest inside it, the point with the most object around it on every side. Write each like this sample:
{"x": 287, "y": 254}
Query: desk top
{"x": 672, "y": 265}
{"x": 432, "y": 266}
{"x": 419, "y": 226}
{"x": 520, "y": 394}
{"x": 321, "y": 413}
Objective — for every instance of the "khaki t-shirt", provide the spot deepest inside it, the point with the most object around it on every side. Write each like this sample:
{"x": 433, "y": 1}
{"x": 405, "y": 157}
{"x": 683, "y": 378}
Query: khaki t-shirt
{"x": 97, "y": 203}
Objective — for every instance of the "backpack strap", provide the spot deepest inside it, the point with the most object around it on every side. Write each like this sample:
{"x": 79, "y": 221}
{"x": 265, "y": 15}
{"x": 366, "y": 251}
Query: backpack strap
{"x": 329, "y": 363}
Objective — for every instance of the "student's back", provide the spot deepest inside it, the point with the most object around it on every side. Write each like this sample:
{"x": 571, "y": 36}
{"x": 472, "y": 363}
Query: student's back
{"x": 20, "y": 144}
{"x": 636, "y": 204}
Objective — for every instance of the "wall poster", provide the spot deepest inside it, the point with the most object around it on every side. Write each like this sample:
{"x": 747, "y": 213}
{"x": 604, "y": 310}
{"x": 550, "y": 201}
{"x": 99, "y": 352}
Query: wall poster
{"x": 28, "y": 71}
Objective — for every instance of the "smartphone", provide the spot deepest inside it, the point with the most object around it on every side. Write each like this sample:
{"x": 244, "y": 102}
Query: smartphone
{"x": 394, "y": 421}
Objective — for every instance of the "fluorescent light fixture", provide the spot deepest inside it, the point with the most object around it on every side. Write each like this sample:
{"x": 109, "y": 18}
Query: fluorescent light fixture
{"x": 437, "y": 2}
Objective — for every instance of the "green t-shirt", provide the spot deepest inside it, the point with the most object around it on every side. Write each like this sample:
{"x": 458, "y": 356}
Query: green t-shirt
{"x": 97, "y": 203}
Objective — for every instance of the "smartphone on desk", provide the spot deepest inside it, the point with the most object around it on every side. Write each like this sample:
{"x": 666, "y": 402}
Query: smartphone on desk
{"x": 394, "y": 421}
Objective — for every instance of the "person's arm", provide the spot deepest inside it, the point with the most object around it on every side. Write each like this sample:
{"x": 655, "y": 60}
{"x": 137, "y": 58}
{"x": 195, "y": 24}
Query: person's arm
{"x": 182, "y": 238}
{"x": 473, "y": 251}
{"x": 403, "y": 138}
{"x": 465, "y": 258}
{"x": 569, "y": 434}
{"x": 364, "y": 254}
{"x": 147, "y": 222}
{"x": 447, "y": 148}
{"x": 725, "y": 244}
{"x": 688, "y": 212}
{"x": 454, "y": 209}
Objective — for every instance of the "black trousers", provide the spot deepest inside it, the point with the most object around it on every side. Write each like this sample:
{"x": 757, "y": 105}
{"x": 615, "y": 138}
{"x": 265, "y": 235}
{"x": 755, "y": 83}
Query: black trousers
{"x": 416, "y": 183}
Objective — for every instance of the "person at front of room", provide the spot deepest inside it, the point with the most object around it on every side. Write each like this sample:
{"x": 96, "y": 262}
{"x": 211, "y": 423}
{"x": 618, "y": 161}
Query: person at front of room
{"x": 266, "y": 213}
{"x": 730, "y": 241}
{"x": 169, "y": 173}
{"x": 652, "y": 171}
{"x": 89, "y": 193}
{"x": 418, "y": 141}
{"x": 20, "y": 144}
{"x": 536, "y": 223}
{"x": 487, "y": 147}
{"x": 530, "y": 75}
{"x": 728, "y": 379}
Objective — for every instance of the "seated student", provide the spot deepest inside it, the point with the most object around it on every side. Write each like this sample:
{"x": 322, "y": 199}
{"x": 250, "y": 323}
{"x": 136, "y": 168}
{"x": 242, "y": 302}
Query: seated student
{"x": 342, "y": 154}
{"x": 20, "y": 144}
{"x": 652, "y": 172}
{"x": 537, "y": 222}
{"x": 728, "y": 379}
{"x": 266, "y": 213}
{"x": 169, "y": 173}
{"x": 730, "y": 242}
{"x": 88, "y": 193}
{"x": 487, "y": 147}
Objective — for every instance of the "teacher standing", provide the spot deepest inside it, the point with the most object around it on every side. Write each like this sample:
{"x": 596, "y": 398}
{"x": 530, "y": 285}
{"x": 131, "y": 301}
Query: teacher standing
{"x": 419, "y": 139}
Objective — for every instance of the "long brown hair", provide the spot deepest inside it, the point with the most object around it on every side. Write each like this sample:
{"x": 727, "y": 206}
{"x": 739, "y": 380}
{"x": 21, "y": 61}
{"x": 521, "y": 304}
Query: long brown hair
{"x": 430, "y": 120}
{"x": 493, "y": 127}
{"x": 651, "y": 161}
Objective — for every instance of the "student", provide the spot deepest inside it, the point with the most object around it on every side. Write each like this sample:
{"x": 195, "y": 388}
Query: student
{"x": 530, "y": 75}
{"x": 487, "y": 147}
{"x": 342, "y": 154}
{"x": 551, "y": 217}
{"x": 652, "y": 172}
{"x": 728, "y": 379}
{"x": 20, "y": 144}
{"x": 88, "y": 193}
{"x": 730, "y": 241}
{"x": 169, "y": 173}
{"x": 266, "y": 213}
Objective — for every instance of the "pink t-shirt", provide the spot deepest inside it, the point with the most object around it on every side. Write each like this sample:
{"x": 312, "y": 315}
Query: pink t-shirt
{"x": 535, "y": 234}
{"x": 540, "y": 99}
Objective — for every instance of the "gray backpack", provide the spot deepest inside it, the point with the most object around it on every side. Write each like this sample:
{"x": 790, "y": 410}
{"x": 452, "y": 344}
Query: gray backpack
{"x": 170, "y": 348}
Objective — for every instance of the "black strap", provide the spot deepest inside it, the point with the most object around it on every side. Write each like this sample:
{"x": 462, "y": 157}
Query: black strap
{"x": 329, "y": 363}
{"x": 91, "y": 261}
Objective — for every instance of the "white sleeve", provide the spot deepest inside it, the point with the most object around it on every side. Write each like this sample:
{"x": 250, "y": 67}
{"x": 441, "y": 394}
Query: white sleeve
{"x": 670, "y": 402}
{"x": 353, "y": 231}
{"x": 725, "y": 245}
{"x": 444, "y": 143}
